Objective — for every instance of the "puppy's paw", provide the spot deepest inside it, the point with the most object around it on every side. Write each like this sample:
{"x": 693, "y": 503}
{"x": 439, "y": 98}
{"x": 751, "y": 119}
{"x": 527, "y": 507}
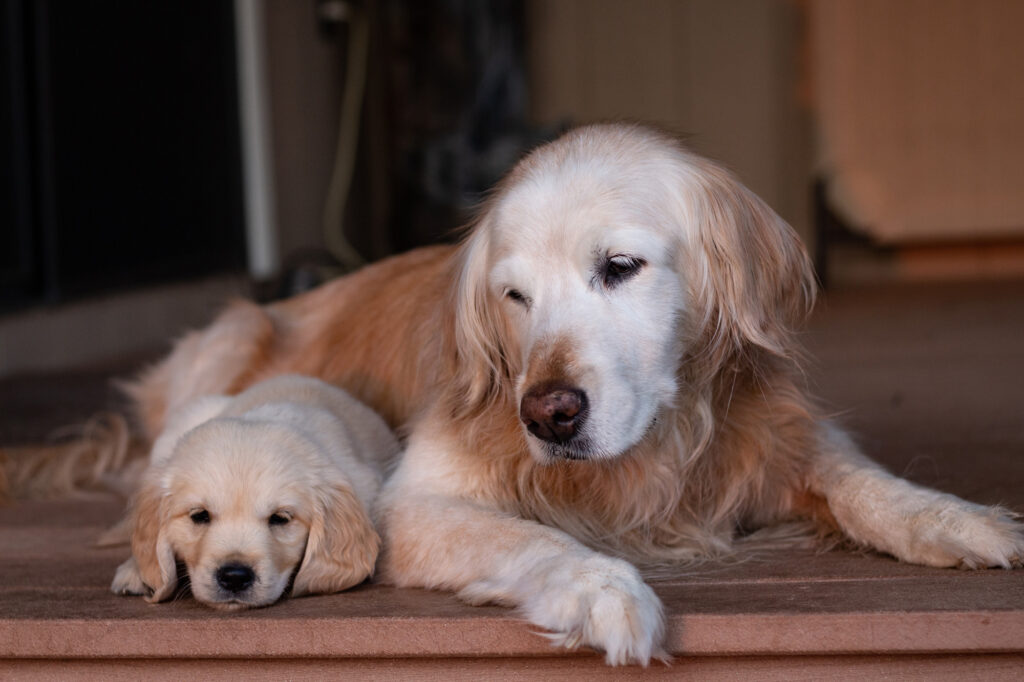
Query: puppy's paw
{"x": 951, "y": 532}
{"x": 128, "y": 580}
{"x": 603, "y": 603}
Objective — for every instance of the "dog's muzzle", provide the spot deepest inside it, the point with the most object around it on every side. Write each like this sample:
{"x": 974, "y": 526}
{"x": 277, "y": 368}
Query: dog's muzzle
{"x": 554, "y": 412}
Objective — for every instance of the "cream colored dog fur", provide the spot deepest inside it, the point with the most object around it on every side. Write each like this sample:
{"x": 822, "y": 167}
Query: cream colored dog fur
{"x": 253, "y": 492}
{"x": 601, "y": 377}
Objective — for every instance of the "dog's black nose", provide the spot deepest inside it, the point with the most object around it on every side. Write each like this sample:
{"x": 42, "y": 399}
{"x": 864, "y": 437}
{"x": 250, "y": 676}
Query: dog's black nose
{"x": 235, "y": 577}
{"x": 554, "y": 411}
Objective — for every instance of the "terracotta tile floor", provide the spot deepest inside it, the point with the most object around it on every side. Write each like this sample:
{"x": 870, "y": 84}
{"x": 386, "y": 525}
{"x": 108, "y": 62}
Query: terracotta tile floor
{"x": 929, "y": 377}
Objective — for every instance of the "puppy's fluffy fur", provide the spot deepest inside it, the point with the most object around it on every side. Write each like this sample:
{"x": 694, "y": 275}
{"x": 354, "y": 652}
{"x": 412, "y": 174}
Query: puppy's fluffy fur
{"x": 251, "y": 492}
{"x": 614, "y": 266}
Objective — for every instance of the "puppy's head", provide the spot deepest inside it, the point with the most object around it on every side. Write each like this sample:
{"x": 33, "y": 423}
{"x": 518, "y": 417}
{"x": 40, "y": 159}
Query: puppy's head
{"x": 606, "y": 260}
{"x": 246, "y": 507}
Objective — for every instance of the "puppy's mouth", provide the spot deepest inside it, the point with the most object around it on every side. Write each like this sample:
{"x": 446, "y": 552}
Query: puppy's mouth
{"x": 233, "y": 587}
{"x": 237, "y": 602}
{"x": 232, "y": 605}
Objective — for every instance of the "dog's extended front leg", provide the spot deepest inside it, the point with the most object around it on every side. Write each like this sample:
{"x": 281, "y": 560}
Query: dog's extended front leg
{"x": 912, "y": 523}
{"x": 435, "y": 539}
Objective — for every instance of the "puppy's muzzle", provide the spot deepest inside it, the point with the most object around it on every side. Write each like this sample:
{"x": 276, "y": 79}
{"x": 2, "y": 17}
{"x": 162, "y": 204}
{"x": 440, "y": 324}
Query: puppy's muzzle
{"x": 235, "y": 577}
{"x": 554, "y": 412}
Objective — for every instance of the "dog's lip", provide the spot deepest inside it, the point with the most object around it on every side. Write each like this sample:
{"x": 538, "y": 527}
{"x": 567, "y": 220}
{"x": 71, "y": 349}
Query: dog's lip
{"x": 248, "y": 598}
{"x": 240, "y": 601}
{"x": 580, "y": 449}
{"x": 233, "y": 605}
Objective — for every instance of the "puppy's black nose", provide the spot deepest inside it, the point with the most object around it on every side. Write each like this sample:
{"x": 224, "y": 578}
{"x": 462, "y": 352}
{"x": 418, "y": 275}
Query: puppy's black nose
{"x": 554, "y": 411}
{"x": 235, "y": 577}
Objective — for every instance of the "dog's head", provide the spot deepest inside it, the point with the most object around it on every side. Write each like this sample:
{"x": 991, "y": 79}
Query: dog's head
{"x": 247, "y": 509}
{"x": 606, "y": 261}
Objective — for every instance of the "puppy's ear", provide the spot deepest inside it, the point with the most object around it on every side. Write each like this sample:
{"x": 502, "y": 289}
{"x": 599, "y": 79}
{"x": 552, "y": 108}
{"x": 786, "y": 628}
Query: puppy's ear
{"x": 342, "y": 547}
{"x": 485, "y": 358}
{"x": 754, "y": 281}
{"x": 154, "y": 557}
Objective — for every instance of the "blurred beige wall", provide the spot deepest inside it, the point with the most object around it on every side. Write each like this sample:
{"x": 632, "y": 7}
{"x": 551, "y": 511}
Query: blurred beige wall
{"x": 921, "y": 105}
{"x": 724, "y": 73}
{"x": 305, "y": 74}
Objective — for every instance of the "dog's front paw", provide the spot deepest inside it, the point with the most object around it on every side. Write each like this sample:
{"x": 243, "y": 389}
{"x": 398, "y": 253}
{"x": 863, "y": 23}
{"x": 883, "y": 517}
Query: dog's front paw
{"x": 603, "y": 603}
{"x": 954, "y": 533}
{"x": 128, "y": 580}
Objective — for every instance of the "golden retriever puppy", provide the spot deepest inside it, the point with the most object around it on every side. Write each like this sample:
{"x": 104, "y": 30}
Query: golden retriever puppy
{"x": 601, "y": 377}
{"x": 256, "y": 492}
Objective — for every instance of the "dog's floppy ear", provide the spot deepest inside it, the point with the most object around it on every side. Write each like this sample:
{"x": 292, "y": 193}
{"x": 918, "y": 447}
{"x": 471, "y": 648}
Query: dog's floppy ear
{"x": 154, "y": 557}
{"x": 754, "y": 282}
{"x": 342, "y": 547}
{"x": 484, "y": 360}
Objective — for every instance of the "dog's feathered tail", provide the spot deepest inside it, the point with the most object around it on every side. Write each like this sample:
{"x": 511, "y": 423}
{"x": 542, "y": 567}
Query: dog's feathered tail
{"x": 99, "y": 455}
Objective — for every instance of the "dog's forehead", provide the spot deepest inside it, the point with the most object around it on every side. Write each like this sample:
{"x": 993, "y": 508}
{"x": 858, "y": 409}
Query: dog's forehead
{"x": 233, "y": 470}
{"x": 578, "y": 226}
{"x": 564, "y": 194}
{"x": 233, "y": 491}
{"x": 589, "y": 205}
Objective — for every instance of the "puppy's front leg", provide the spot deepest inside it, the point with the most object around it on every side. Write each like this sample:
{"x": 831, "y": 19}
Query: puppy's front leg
{"x": 912, "y": 523}
{"x": 437, "y": 540}
{"x": 128, "y": 579}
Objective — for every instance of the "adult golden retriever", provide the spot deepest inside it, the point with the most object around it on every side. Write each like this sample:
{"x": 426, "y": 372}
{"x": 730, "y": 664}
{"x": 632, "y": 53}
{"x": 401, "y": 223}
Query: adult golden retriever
{"x": 600, "y": 377}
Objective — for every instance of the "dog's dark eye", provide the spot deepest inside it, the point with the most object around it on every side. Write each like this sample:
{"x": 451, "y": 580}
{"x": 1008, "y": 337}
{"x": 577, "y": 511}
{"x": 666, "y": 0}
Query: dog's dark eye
{"x": 278, "y": 519}
{"x": 200, "y": 517}
{"x": 618, "y": 269}
{"x": 517, "y": 296}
